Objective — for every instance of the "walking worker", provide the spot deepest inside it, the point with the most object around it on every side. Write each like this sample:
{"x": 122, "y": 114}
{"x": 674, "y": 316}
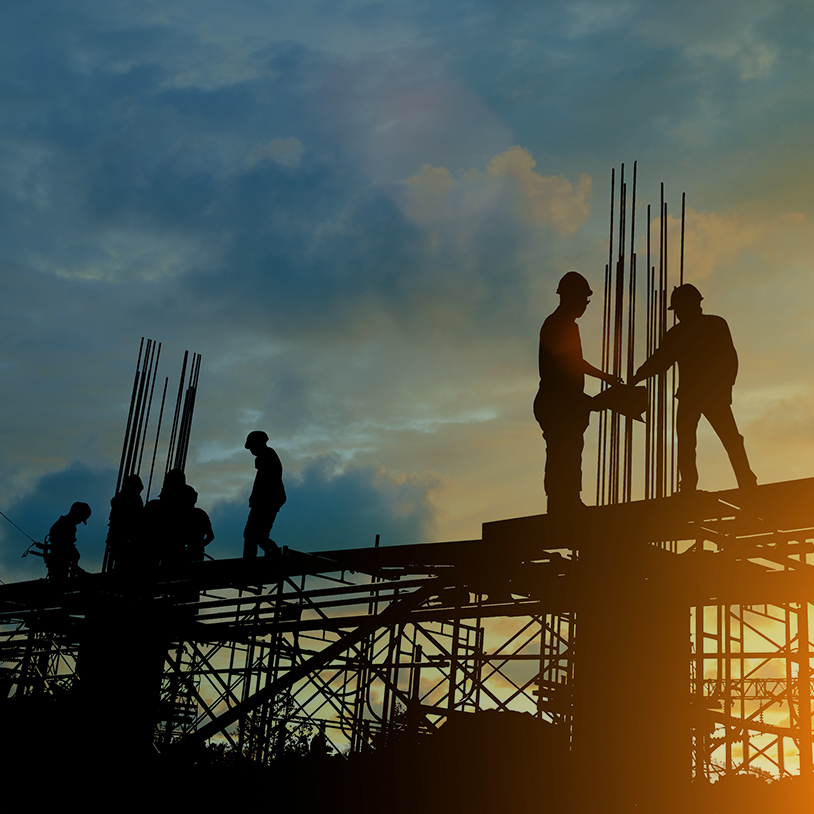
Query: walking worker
{"x": 561, "y": 406}
{"x": 61, "y": 554}
{"x": 702, "y": 346}
{"x": 267, "y": 497}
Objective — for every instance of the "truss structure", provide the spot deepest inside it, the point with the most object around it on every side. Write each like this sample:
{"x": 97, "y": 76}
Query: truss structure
{"x": 681, "y": 624}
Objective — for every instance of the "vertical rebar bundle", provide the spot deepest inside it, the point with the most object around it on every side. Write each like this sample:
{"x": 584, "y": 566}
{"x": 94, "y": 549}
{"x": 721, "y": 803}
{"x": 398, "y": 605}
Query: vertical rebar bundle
{"x": 138, "y": 418}
{"x": 615, "y": 454}
{"x": 140, "y": 400}
{"x": 182, "y": 420}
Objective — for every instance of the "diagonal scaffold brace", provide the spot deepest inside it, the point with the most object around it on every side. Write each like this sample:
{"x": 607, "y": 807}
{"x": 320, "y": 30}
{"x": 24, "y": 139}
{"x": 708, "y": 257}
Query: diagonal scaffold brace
{"x": 392, "y": 613}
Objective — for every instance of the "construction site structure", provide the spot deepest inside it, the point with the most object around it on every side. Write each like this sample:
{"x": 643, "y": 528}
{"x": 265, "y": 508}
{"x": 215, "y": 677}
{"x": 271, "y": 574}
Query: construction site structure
{"x": 665, "y": 639}
{"x": 657, "y": 642}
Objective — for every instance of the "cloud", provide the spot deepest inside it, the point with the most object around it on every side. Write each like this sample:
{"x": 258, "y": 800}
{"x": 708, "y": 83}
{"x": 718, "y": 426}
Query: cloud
{"x": 331, "y": 505}
{"x": 429, "y": 191}
{"x": 417, "y": 116}
{"x": 39, "y": 508}
{"x": 550, "y": 200}
{"x": 434, "y": 196}
{"x": 742, "y": 34}
{"x": 715, "y": 243}
{"x": 585, "y": 18}
{"x": 711, "y": 241}
{"x": 285, "y": 151}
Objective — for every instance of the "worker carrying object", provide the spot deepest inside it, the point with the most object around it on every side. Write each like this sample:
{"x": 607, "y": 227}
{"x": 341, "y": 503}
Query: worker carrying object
{"x": 702, "y": 346}
{"x": 561, "y": 406}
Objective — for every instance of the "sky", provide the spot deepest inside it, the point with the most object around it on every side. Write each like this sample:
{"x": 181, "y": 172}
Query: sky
{"x": 357, "y": 213}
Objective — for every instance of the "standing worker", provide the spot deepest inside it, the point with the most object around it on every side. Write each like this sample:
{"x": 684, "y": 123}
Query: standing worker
{"x": 267, "y": 497}
{"x": 165, "y": 521}
{"x": 561, "y": 406}
{"x": 198, "y": 530}
{"x": 61, "y": 555}
{"x": 126, "y": 522}
{"x": 702, "y": 346}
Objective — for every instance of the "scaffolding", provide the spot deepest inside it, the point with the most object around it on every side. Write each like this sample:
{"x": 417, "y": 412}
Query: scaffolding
{"x": 371, "y": 645}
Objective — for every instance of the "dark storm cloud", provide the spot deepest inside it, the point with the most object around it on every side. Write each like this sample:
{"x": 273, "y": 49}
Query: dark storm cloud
{"x": 330, "y": 506}
{"x": 38, "y": 510}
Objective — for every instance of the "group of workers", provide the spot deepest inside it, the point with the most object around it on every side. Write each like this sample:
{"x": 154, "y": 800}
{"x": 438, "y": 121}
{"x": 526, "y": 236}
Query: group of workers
{"x": 700, "y": 344}
{"x": 171, "y": 530}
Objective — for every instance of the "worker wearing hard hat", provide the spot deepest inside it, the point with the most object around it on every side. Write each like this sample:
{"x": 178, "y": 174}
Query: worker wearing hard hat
{"x": 60, "y": 553}
{"x": 561, "y": 406}
{"x": 267, "y": 497}
{"x": 701, "y": 345}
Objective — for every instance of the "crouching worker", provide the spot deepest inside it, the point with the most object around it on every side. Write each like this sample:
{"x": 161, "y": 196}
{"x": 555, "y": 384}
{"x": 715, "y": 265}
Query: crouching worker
{"x": 60, "y": 553}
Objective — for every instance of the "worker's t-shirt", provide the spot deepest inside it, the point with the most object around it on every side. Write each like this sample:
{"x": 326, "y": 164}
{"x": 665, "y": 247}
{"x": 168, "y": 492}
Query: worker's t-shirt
{"x": 268, "y": 490}
{"x": 62, "y": 536}
{"x": 560, "y": 363}
{"x": 706, "y": 357}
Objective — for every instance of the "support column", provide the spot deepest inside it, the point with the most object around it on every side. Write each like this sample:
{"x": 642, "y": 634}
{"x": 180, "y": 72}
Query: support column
{"x": 631, "y": 729}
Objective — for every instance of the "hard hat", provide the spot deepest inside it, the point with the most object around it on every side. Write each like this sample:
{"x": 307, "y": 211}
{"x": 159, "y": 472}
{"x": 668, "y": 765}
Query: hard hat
{"x": 133, "y": 483}
{"x": 573, "y": 283}
{"x": 175, "y": 478}
{"x": 686, "y": 294}
{"x": 81, "y": 511}
{"x": 255, "y": 438}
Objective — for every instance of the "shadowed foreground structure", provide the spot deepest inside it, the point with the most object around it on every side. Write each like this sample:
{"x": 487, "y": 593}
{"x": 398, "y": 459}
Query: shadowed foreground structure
{"x": 653, "y": 645}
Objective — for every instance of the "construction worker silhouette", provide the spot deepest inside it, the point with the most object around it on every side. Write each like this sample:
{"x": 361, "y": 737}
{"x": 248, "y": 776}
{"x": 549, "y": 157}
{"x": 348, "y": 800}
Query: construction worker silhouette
{"x": 198, "y": 530}
{"x": 561, "y": 406}
{"x": 126, "y": 523}
{"x": 267, "y": 497}
{"x": 60, "y": 554}
{"x": 165, "y": 522}
{"x": 701, "y": 345}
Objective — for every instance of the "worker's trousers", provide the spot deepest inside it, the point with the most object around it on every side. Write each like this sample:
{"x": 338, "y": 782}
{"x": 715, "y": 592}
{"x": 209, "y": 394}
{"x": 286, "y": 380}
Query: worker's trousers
{"x": 719, "y": 415}
{"x": 564, "y": 432}
{"x": 257, "y": 532}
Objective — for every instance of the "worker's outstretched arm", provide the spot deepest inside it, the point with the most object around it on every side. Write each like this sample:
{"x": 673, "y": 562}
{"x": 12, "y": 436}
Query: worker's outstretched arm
{"x": 590, "y": 370}
{"x": 661, "y": 360}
